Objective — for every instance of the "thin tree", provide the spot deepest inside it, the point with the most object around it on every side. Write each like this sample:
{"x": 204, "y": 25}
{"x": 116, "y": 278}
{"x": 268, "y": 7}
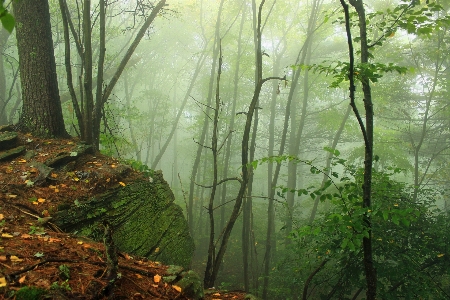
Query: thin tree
{"x": 367, "y": 132}
{"x": 89, "y": 114}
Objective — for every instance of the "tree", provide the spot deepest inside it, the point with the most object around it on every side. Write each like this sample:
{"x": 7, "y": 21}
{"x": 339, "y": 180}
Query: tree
{"x": 41, "y": 110}
{"x": 88, "y": 108}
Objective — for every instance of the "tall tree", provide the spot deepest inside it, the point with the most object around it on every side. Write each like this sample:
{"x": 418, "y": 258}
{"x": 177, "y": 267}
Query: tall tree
{"x": 367, "y": 132}
{"x": 41, "y": 110}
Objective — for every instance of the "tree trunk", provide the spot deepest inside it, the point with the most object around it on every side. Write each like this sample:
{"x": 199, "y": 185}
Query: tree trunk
{"x": 367, "y": 131}
{"x": 41, "y": 110}
{"x": 201, "y": 141}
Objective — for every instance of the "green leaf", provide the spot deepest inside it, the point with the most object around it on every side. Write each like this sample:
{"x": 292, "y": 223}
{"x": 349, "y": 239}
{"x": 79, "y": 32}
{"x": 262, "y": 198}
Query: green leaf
{"x": 8, "y": 22}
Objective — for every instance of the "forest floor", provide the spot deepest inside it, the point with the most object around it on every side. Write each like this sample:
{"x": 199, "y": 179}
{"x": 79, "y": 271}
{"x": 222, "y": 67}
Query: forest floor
{"x": 37, "y": 257}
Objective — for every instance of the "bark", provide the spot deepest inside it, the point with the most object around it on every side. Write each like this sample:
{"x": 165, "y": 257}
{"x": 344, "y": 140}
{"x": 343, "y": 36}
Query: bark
{"x": 212, "y": 275}
{"x": 367, "y": 131}
{"x": 214, "y": 150}
{"x": 4, "y": 35}
{"x": 201, "y": 141}
{"x": 41, "y": 110}
{"x": 296, "y": 136}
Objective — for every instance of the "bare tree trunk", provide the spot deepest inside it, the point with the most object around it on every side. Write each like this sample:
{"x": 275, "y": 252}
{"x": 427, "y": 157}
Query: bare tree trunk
{"x": 367, "y": 131}
{"x": 201, "y": 141}
{"x": 211, "y": 275}
{"x": 41, "y": 109}
{"x": 295, "y": 137}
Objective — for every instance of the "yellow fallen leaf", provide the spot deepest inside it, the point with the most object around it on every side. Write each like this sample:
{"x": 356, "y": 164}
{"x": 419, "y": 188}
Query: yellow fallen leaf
{"x": 80, "y": 243}
{"x": 113, "y": 166}
{"x": 440, "y": 255}
{"x": 7, "y": 235}
{"x": 2, "y": 281}
{"x": 216, "y": 294}
{"x": 396, "y": 205}
{"x": 76, "y": 179}
{"x": 35, "y": 202}
{"x": 54, "y": 175}
{"x": 22, "y": 160}
{"x": 41, "y": 200}
{"x": 12, "y": 196}
{"x": 121, "y": 183}
{"x": 52, "y": 186}
{"x": 15, "y": 258}
{"x": 157, "y": 250}
{"x": 22, "y": 279}
{"x": 56, "y": 190}
{"x": 177, "y": 288}
{"x": 108, "y": 179}
{"x": 1, "y": 217}
{"x": 157, "y": 278}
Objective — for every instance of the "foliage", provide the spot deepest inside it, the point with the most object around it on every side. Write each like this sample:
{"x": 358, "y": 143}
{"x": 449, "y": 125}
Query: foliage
{"x": 6, "y": 18}
{"x": 411, "y": 242}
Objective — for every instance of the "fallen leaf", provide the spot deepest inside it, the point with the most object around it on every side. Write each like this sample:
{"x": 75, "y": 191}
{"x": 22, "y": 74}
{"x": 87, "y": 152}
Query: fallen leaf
{"x": 121, "y": 183}
{"x": 14, "y": 258}
{"x": 52, "y": 186}
{"x": 157, "y": 278}
{"x": 7, "y": 235}
{"x": 113, "y": 166}
{"x": 22, "y": 160}
{"x": 440, "y": 255}
{"x": 2, "y": 258}
{"x": 26, "y": 236}
{"x": 56, "y": 190}
{"x": 53, "y": 240}
{"x": 216, "y": 294}
{"x": 41, "y": 200}
{"x": 2, "y": 281}
{"x": 39, "y": 254}
{"x": 154, "y": 285}
{"x": 22, "y": 279}
{"x": 108, "y": 179}
{"x": 157, "y": 250}
{"x": 138, "y": 276}
{"x": 35, "y": 202}
{"x": 12, "y": 196}
{"x": 80, "y": 243}
{"x": 1, "y": 217}
{"x": 54, "y": 175}
{"x": 177, "y": 288}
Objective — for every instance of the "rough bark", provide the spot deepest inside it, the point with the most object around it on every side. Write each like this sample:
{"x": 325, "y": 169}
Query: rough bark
{"x": 41, "y": 110}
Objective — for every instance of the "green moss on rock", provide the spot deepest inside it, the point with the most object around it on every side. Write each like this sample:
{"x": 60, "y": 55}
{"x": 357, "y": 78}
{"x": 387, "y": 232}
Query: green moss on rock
{"x": 145, "y": 219}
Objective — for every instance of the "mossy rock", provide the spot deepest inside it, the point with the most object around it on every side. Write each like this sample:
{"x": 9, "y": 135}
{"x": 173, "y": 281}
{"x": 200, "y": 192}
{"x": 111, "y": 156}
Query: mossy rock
{"x": 145, "y": 219}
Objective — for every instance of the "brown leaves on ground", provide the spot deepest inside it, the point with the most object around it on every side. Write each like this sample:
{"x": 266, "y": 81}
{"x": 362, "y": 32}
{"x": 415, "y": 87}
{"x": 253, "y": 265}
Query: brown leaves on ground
{"x": 35, "y": 253}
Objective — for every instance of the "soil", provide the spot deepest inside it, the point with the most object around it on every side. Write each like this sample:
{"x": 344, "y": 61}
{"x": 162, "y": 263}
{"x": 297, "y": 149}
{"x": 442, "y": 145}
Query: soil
{"x": 35, "y": 255}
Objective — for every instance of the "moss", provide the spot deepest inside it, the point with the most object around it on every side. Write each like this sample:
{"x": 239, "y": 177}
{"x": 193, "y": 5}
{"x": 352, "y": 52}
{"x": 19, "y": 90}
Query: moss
{"x": 145, "y": 219}
{"x": 30, "y": 293}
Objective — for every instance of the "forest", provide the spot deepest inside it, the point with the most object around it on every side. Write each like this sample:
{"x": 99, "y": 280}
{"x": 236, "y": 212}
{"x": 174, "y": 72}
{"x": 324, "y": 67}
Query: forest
{"x": 306, "y": 141}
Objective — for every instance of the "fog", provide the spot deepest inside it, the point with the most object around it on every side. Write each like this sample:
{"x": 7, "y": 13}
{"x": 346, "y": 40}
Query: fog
{"x": 297, "y": 227}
